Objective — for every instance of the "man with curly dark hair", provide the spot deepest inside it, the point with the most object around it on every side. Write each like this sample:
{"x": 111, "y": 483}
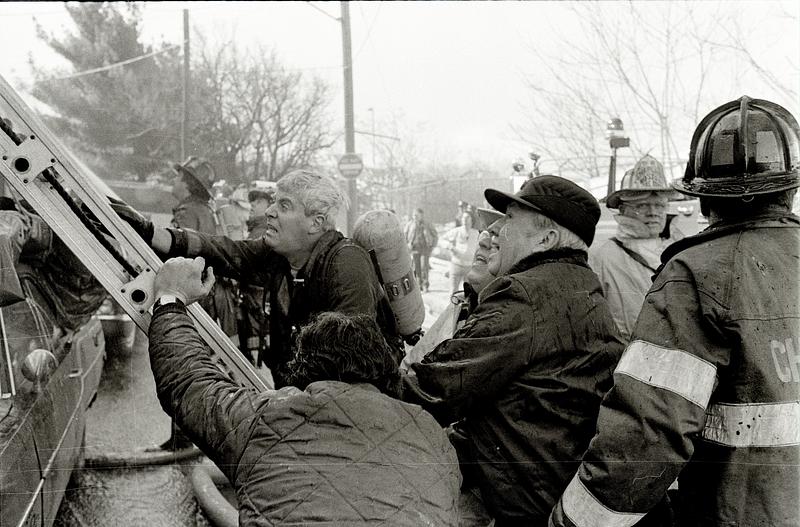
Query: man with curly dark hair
{"x": 344, "y": 348}
{"x": 332, "y": 449}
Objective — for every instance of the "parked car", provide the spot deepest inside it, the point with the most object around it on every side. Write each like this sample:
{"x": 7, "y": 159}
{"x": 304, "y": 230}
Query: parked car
{"x": 119, "y": 329}
{"x": 51, "y": 360}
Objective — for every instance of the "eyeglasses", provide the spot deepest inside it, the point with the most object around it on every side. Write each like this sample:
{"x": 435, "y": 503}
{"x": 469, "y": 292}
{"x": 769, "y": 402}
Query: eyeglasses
{"x": 645, "y": 207}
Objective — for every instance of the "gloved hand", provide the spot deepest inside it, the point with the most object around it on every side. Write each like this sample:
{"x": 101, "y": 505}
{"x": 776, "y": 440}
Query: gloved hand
{"x": 135, "y": 219}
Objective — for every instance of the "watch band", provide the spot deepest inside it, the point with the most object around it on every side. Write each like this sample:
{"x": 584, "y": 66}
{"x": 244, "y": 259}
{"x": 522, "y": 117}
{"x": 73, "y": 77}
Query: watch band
{"x": 167, "y": 299}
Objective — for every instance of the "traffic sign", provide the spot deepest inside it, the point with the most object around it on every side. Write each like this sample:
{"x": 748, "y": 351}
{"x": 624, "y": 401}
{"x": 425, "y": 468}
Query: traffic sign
{"x": 350, "y": 165}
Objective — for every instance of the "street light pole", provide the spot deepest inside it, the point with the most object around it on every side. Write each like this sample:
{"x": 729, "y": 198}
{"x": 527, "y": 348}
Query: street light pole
{"x": 372, "y": 111}
{"x": 615, "y": 133}
{"x": 186, "y": 72}
{"x": 612, "y": 172}
{"x": 349, "y": 127}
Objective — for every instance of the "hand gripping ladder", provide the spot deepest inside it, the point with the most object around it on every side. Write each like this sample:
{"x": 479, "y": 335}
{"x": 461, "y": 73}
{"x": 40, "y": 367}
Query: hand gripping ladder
{"x": 35, "y": 163}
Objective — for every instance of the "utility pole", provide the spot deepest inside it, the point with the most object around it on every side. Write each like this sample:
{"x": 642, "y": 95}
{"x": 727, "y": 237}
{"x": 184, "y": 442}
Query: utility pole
{"x": 185, "y": 109}
{"x": 349, "y": 127}
{"x": 372, "y": 111}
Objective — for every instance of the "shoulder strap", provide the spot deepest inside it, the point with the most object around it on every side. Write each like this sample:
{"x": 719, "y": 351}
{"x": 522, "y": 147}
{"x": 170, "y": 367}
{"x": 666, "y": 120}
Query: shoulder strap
{"x": 633, "y": 254}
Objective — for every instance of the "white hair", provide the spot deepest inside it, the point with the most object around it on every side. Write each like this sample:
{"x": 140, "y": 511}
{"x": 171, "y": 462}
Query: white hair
{"x": 566, "y": 238}
{"x": 318, "y": 192}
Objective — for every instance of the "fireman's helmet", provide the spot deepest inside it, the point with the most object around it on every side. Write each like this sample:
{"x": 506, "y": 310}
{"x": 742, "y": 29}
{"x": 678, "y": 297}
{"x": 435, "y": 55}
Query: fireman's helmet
{"x": 198, "y": 169}
{"x": 262, "y": 190}
{"x": 646, "y": 176}
{"x": 240, "y": 196}
{"x": 745, "y": 147}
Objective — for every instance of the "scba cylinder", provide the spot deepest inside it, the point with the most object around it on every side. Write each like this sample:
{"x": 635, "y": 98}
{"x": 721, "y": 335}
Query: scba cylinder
{"x": 380, "y": 231}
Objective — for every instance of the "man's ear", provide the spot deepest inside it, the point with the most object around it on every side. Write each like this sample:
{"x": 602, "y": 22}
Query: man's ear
{"x": 317, "y": 223}
{"x": 549, "y": 239}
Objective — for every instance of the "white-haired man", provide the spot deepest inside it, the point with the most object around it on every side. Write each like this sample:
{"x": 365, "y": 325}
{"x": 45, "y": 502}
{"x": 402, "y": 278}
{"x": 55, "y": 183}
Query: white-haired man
{"x": 527, "y": 371}
{"x": 306, "y": 265}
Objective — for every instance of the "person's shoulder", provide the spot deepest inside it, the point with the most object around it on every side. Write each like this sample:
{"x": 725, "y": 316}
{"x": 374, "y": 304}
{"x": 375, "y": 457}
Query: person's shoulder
{"x": 349, "y": 261}
{"x": 347, "y": 249}
{"x": 604, "y": 249}
{"x": 505, "y": 287}
{"x": 606, "y": 254}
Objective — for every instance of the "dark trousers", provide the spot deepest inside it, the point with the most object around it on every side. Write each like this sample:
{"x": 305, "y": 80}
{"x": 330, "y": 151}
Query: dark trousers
{"x": 419, "y": 262}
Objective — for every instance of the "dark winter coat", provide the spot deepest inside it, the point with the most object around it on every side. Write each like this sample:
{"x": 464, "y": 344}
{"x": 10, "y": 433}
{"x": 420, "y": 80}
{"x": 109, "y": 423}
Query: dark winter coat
{"x": 254, "y": 299}
{"x": 338, "y": 276}
{"x": 334, "y": 454}
{"x": 707, "y": 388}
{"x": 527, "y": 371}
{"x": 196, "y": 214}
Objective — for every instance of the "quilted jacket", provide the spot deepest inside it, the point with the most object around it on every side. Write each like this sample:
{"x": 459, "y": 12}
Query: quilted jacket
{"x": 334, "y": 454}
{"x": 526, "y": 372}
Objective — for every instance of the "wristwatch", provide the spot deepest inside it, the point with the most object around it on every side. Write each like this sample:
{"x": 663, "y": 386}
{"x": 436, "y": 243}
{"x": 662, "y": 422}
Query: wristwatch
{"x": 167, "y": 299}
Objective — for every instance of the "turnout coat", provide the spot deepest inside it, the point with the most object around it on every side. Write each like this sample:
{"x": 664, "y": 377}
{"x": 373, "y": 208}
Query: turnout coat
{"x": 339, "y": 276}
{"x": 333, "y": 454}
{"x": 526, "y": 373}
{"x": 708, "y": 388}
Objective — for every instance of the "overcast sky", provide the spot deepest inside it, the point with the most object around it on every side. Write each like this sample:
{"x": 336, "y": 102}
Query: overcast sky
{"x": 452, "y": 71}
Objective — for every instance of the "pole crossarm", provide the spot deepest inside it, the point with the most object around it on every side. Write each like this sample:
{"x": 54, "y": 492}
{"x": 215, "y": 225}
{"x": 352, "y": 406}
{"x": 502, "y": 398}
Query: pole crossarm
{"x": 382, "y": 136}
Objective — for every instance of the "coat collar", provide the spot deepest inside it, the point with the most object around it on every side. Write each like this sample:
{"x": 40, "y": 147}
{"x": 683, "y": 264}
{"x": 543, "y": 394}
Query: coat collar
{"x": 321, "y": 248}
{"x": 723, "y": 228}
{"x": 570, "y": 256}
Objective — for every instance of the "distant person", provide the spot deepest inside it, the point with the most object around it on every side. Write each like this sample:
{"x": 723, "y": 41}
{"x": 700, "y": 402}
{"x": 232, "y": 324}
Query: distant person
{"x": 463, "y": 241}
{"x": 421, "y": 238}
{"x": 261, "y": 197}
{"x": 192, "y": 189}
{"x": 255, "y": 307}
{"x": 463, "y": 206}
{"x": 627, "y": 262}
{"x": 334, "y": 448}
{"x": 233, "y": 215}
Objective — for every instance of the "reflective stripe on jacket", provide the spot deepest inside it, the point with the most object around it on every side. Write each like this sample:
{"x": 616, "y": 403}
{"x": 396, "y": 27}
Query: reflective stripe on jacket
{"x": 709, "y": 389}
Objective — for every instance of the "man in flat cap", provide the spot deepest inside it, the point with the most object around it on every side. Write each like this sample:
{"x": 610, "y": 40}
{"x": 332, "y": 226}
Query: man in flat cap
{"x": 527, "y": 371}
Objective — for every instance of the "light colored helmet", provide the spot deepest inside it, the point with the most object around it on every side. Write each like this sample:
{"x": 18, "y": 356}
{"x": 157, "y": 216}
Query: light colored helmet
{"x": 262, "y": 189}
{"x": 745, "y": 147}
{"x": 646, "y": 176}
{"x": 240, "y": 196}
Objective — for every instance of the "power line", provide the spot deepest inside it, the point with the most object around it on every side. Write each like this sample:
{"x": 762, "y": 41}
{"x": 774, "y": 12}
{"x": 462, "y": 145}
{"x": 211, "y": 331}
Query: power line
{"x": 112, "y": 66}
{"x": 369, "y": 30}
{"x": 323, "y": 12}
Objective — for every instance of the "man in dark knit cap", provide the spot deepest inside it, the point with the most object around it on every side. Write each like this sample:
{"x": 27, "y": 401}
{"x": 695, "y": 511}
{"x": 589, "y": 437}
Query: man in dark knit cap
{"x": 529, "y": 368}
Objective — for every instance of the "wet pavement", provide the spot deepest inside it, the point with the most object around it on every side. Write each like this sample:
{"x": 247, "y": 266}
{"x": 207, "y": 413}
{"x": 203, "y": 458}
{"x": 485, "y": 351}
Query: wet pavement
{"x": 143, "y": 496}
{"x": 125, "y": 419}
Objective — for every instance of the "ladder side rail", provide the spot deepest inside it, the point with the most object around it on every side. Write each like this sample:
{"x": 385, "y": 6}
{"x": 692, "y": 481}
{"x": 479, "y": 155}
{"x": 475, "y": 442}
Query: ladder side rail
{"x": 44, "y": 150}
